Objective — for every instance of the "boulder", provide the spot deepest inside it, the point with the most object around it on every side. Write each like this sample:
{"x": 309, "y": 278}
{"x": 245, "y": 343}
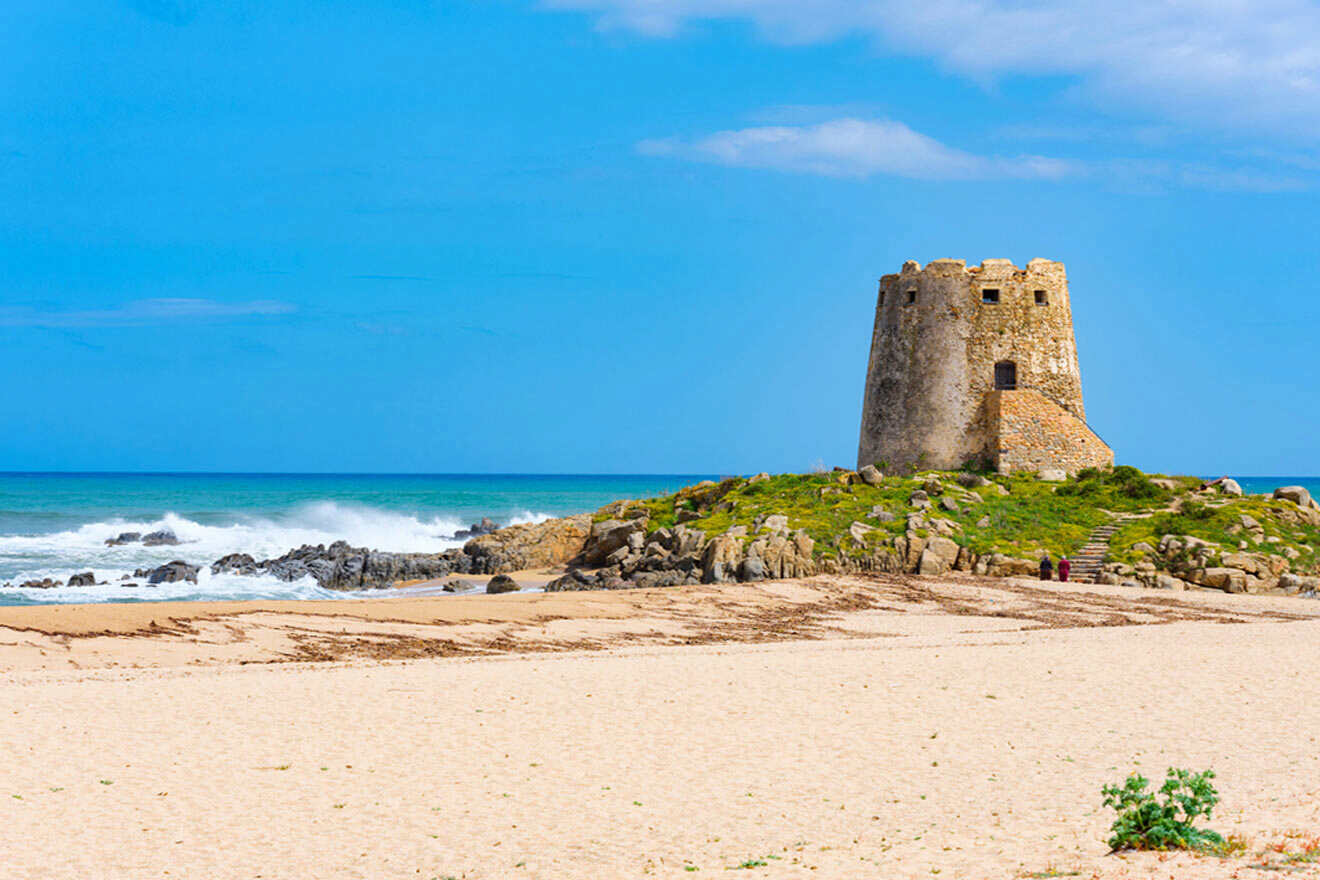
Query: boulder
{"x": 1167, "y": 582}
{"x": 938, "y": 557}
{"x": 971, "y": 481}
{"x": 1230, "y": 580}
{"x": 459, "y": 586}
{"x": 1052, "y": 475}
{"x": 983, "y": 522}
{"x": 485, "y": 527}
{"x": 171, "y": 572}
{"x": 919, "y": 499}
{"x": 721, "y": 561}
{"x": 538, "y": 545}
{"x": 124, "y": 538}
{"x": 949, "y": 504}
{"x": 859, "y": 531}
{"x": 776, "y": 523}
{"x": 1229, "y": 486}
{"x": 234, "y": 563}
{"x": 1296, "y": 583}
{"x": 1297, "y": 495}
{"x": 752, "y": 568}
{"x": 870, "y": 475}
{"x": 86, "y": 579}
{"x": 501, "y": 583}
{"x": 999, "y": 565}
{"x": 43, "y": 584}
{"x": 161, "y": 538}
{"x": 879, "y": 514}
{"x": 1165, "y": 483}
{"x": 759, "y": 478}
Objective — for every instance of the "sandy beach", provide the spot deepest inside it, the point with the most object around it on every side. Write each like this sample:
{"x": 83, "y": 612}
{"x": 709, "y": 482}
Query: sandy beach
{"x": 836, "y": 727}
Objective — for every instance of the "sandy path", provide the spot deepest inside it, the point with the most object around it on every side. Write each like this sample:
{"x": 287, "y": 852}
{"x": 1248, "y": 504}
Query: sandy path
{"x": 971, "y": 750}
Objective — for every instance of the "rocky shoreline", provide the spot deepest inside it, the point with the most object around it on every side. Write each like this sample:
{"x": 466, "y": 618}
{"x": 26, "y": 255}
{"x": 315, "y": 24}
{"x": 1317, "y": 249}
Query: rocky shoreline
{"x": 765, "y": 528}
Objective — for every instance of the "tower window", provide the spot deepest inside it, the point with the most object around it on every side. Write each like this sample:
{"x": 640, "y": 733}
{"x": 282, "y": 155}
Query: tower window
{"x": 1005, "y": 376}
{"x": 990, "y": 295}
{"x": 912, "y": 297}
{"x": 1041, "y": 298}
{"x": 882, "y": 297}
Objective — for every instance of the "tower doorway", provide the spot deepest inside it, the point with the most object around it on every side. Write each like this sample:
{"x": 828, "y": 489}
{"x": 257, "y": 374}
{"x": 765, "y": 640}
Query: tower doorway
{"x": 1005, "y": 376}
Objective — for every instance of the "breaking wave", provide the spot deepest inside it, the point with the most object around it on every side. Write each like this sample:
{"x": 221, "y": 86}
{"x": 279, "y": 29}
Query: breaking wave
{"x": 58, "y": 555}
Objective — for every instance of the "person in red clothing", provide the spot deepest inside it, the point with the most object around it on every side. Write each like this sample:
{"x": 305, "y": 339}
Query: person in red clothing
{"x": 1064, "y": 567}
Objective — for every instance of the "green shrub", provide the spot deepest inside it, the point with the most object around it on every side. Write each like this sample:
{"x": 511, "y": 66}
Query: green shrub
{"x": 1119, "y": 488}
{"x": 1163, "y": 819}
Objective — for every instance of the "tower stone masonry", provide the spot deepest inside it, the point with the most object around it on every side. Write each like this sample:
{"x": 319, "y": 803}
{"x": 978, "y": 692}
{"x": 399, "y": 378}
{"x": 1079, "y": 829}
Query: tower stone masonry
{"x": 976, "y": 366}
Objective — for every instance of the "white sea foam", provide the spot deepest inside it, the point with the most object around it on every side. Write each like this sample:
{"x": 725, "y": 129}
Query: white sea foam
{"x": 60, "y": 554}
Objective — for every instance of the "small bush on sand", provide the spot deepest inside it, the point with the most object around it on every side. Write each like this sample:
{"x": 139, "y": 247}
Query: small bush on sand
{"x": 1163, "y": 819}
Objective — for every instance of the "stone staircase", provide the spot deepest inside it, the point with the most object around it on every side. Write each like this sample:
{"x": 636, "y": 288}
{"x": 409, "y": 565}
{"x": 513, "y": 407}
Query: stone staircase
{"x": 1088, "y": 561}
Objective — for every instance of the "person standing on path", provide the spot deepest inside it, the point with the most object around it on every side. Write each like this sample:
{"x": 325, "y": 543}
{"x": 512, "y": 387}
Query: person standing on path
{"x": 1064, "y": 567}
{"x": 1046, "y": 568}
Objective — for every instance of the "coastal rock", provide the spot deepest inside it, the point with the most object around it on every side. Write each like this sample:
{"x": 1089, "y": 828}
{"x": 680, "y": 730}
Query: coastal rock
{"x": 43, "y": 584}
{"x": 606, "y": 537}
{"x": 161, "y": 538}
{"x": 722, "y": 559}
{"x": 86, "y": 579}
{"x": 1296, "y": 583}
{"x": 476, "y": 530}
{"x": 124, "y": 538}
{"x": 1230, "y": 486}
{"x": 870, "y": 475}
{"x": 1298, "y": 495}
{"x": 1230, "y": 580}
{"x": 170, "y": 573}
{"x": 534, "y": 545}
{"x": 759, "y": 478}
{"x": 234, "y": 563}
{"x": 459, "y": 586}
{"x": 939, "y": 556}
{"x": 1167, "y": 582}
{"x": 502, "y": 583}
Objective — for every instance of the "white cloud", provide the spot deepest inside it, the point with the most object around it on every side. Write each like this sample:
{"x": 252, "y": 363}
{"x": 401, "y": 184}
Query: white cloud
{"x": 1248, "y": 66}
{"x": 142, "y": 312}
{"x": 853, "y": 148}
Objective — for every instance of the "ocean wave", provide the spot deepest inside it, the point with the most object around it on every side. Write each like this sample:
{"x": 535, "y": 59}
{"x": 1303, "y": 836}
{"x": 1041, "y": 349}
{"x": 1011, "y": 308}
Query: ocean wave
{"x": 58, "y": 555}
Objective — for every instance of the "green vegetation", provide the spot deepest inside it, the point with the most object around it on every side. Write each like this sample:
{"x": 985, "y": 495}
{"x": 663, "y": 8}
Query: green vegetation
{"x": 1163, "y": 819}
{"x": 1224, "y": 523}
{"x": 1018, "y": 515}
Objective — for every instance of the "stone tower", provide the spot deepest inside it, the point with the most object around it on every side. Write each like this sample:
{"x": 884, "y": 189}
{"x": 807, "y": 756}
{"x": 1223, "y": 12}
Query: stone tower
{"x": 976, "y": 365}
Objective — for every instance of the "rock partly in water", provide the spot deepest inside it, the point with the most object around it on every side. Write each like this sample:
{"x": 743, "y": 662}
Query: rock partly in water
{"x": 160, "y": 538}
{"x": 43, "y": 584}
{"x": 170, "y": 573}
{"x": 123, "y": 538}
{"x": 86, "y": 579}
{"x": 476, "y": 530}
{"x": 502, "y": 583}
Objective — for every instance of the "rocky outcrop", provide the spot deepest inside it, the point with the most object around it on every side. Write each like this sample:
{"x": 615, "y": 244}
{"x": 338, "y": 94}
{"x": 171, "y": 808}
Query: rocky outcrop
{"x": 485, "y": 527}
{"x": 161, "y": 538}
{"x": 169, "y": 573}
{"x": 123, "y": 538}
{"x": 533, "y": 545}
{"x": 85, "y": 579}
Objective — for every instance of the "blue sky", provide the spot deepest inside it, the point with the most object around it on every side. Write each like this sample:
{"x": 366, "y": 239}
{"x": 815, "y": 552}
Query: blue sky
{"x": 634, "y": 235}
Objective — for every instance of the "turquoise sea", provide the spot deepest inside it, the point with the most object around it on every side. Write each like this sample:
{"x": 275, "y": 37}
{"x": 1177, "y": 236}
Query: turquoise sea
{"x": 56, "y": 525}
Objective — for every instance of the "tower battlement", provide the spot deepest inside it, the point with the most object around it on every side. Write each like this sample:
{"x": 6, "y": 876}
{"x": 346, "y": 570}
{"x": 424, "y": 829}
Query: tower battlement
{"x": 945, "y": 337}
